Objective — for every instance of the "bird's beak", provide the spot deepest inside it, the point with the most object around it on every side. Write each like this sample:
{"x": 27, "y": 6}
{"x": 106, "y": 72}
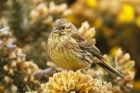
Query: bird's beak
{"x": 55, "y": 30}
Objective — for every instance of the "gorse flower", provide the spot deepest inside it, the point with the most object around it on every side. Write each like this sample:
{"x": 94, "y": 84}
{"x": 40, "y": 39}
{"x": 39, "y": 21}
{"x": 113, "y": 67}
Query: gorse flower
{"x": 126, "y": 66}
{"x": 127, "y": 14}
{"x": 14, "y": 68}
{"x": 88, "y": 32}
{"x": 75, "y": 82}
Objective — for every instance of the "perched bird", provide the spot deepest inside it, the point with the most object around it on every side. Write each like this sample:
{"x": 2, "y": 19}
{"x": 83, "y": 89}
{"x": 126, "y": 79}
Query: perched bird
{"x": 71, "y": 50}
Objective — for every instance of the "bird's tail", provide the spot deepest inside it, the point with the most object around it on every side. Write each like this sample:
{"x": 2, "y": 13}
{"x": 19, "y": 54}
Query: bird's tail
{"x": 110, "y": 69}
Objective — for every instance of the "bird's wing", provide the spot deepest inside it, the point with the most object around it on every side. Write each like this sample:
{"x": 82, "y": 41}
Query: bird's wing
{"x": 85, "y": 44}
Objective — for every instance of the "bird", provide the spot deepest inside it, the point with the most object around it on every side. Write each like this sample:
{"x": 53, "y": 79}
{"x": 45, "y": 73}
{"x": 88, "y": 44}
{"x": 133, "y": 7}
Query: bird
{"x": 70, "y": 50}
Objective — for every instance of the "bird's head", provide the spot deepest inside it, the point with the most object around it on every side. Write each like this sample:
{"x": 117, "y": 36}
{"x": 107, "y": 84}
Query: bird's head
{"x": 63, "y": 27}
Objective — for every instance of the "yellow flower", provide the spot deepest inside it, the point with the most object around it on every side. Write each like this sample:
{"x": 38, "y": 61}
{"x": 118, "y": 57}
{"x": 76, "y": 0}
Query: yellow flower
{"x": 73, "y": 82}
{"x": 126, "y": 66}
{"x": 127, "y": 14}
{"x": 114, "y": 50}
{"x": 87, "y": 31}
{"x": 91, "y": 3}
{"x": 138, "y": 21}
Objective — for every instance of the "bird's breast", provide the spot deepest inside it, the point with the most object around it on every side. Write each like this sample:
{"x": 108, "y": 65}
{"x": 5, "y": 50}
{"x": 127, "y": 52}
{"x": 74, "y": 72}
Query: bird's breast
{"x": 65, "y": 53}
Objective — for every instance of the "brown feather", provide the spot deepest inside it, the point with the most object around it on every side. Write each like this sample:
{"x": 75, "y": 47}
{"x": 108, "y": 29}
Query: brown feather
{"x": 110, "y": 69}
{"x": 86, "y": 45}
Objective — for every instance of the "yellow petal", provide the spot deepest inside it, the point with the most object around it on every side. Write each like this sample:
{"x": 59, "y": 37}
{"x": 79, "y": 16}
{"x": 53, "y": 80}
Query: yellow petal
{"x": 64, "y": 77}
{"x": 51, "y": 91}
{"x": 70, "y": 75}
{"x": 71, "y": 85}
{"x": 90, "y": 89}
{"x": 129, "y": 65}
{"x": 126, "y": 57}
{"x": 54, "y": 86}
{"x": 81, "y": 86}
{"x": 63, "y": 89}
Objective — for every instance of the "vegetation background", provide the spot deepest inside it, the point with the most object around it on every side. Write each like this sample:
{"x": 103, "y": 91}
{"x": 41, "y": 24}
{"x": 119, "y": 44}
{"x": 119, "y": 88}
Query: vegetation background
{"x": 117, "y": 25}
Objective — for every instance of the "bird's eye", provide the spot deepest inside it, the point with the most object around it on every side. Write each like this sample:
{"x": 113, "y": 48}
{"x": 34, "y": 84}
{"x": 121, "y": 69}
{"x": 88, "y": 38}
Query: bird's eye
{"x": 63, "y": 27}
